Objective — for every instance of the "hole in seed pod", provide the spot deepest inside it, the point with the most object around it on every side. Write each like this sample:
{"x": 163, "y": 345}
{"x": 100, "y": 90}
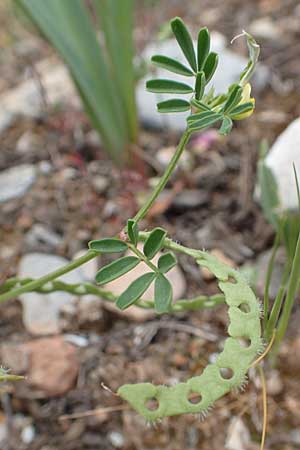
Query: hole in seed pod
{"x": 244, "y": 307}
{"x": 152, "y": 404}
{"x": 244, "y": 341}
{"x": 226, "y": 373}
{"x": 194, "y": 398}
{"x": 231, "y": 279}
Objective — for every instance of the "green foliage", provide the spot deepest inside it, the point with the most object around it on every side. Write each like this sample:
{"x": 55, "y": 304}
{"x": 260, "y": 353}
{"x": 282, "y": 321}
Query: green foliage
{"x": 116, "y": 269}
{"x": 104, "y": 77}
{"x": 133, "y": 231}
{"x": 154, "y": 242}
{"x": 235, "y": 104}
{"x": 108, "y": 246}
{"x": 162, "y": 294}
{"x": 135, "y": 290}
{"x": 166, "y": 262}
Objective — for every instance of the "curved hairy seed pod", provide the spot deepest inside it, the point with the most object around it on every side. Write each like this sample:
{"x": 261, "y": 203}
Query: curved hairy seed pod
{"x": 244, "y": 315}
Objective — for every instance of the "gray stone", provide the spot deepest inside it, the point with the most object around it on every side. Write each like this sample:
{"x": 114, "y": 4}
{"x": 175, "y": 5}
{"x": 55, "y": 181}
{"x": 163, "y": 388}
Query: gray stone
{"x": 229, "y": 70}
{"x": 28, "y": 142}
{"x": 238, "y": 435}
{"x": 40, "y": 237}
{"x": 41, "y": 311}
{"x": 15, "y": 182}
{"x": 189, "y": 199}
{"x": 283, "y": 154}
{"x": 264, "y": 28}
{"x": 100, "y": 183}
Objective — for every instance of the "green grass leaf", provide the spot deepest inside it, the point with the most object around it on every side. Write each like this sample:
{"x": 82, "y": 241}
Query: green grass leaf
{"x": 171, "y": 65}
{"x": 116, "y": 269}
{"x": 135, "y": 290}
{"x": 168, "y": 86}
{"x": 166, "y": 262}
{"x": 203, "y": 47}
{"x": 108, "y": 246}
{"x": 173, "y": 105}
{"x": 210, "y": 66}
{"x": 154, "y": 242}
{"x": 162, "y": 294}
{"x": 184, "y": 40}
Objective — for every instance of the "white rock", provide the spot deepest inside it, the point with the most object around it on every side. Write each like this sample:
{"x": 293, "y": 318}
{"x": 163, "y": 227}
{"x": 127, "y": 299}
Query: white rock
{"x": 283, "y": 154}
{"x": 16, "y": 181}
{"x": 27, "y": 142}
{"x": 238, "y": 436}
{"x": 41, "y": 311}
{"x": 229, "y": 70}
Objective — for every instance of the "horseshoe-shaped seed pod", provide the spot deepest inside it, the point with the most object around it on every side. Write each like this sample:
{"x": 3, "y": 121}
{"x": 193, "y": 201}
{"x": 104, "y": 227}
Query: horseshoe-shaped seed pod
{"x": 199, "y": 393}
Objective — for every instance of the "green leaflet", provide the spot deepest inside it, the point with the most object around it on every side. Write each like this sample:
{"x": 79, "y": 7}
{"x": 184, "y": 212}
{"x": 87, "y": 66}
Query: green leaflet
{"x": 226, "y": 126}
{"x": 245, "y": 107}
{"x": 162, "y": 294}
{"x": 135, "y": 290}
{"x": 210, "y": 66}
{"x": 185, "y": 41}
{"x": 166, "y": 262}
{"x": 200, "y": 85}
{"x": 108, "y": 245}
{"x": 234, "y": 98}
{"x": 116, "y": 269}
{"x": 210, "y": 385}
{"x": 172, "y": 65}
{"x": 208, "y": 121}
{"x": 154, "y": 242}
{"x": 203, "y": 47}
{"x": 168, "y": 87}
{"x": 173, "y": 105}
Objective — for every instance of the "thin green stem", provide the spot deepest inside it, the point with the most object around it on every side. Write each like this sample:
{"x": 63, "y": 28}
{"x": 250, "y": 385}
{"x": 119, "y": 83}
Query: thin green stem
{"x": 290, "y": 298}
{"x": 49, "y": 277}
{"x": 270, "y": 271}
{"x": 143, "y": 258}
{"x": 164, "y": 179}
{"x": 275, "y": 311}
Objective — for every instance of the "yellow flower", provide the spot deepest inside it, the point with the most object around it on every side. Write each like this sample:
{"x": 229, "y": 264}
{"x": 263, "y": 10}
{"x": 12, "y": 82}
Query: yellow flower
{"x": 245, "y": 99}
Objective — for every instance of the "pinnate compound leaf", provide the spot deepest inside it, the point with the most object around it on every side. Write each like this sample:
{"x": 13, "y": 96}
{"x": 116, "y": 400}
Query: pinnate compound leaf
{"x": 166, "y": 262}
{"x": 200, "y": 85}
{"x": 133, "y": 231}
{"x": 154, "y": 242}
{"x": 171, "y": 65}
{"x": 203, "y": 47}
{"x": 108, "y": 246}
{"x": 184, "y": 40}
{"x": 210, "y": 66}
{"x": 168, "y": 87}
{"x": 135, "y": 290}
{"x": 162, "y": 294}
{"x": 226, "y": 126}
{"x": 234, "y": 98}
{"x": 173, "y": 105}
{"x": 116, "y": 269}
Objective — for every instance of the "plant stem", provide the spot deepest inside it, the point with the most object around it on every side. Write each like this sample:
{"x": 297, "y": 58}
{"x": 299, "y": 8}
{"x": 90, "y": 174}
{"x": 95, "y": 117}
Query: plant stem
{"x": 143, "y": 258}
{"x": 49, "y": 277}
{"x": 290, "y": 298}
{"x": 164, "y": 179}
